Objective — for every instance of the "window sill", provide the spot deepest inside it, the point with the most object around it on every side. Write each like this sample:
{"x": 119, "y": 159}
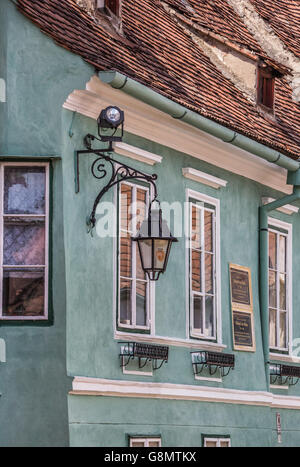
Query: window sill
{"x": 188, "y": 343}
{"x": 284, "y": 358}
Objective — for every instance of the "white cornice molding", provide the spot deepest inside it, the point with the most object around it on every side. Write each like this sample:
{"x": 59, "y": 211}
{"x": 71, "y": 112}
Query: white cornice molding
{"x": 150, "y": 123}
{"x": 117, "y": 388}
{"x": 204, "y": 178}
{"x": 287, "y": 209}
{"x": 136, "y": 153}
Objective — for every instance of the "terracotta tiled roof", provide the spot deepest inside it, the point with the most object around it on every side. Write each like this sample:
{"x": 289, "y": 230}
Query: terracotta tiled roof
{"x": 159, "y": 54}
{"x": 284, "y": 18}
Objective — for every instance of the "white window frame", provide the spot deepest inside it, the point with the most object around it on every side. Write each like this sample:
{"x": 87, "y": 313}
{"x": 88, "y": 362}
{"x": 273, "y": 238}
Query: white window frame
{"x": 191, "y": 194}
{"x": 46, "y": 216}
{"x": 150, "y": 285}
{"x": 146, "y": 441}
{"x": 275, "y": 225}
{"x": 218, "y": 441}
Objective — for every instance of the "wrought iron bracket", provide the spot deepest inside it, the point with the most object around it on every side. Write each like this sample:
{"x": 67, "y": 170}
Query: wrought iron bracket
{"x": 284, "y": 374}
{"x": 214, "y": 361}
{"x": 119, "y": 172}
{"x": 282, "y": 381}
{"x": 144, "y": 353}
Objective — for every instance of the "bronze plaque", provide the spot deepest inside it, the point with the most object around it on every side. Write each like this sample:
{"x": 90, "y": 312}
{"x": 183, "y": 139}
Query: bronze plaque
{"x": 240, "y": 287}
{"x": 242, "y": 330}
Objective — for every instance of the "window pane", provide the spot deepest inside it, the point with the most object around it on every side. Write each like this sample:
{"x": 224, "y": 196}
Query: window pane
{"x": 125, "y": 301}
{"x": 24, "y": 242}
{"x": 126, "y": 202}
{"x": 23, "y": 292}
{"x": 139, "y": 270}
{"x": 141, "y": 303}
{"x": 196, "y": 271}
{"x": 154, "y": 444}
{"x": 224, "y": 444}
{"x": 272, "y": 250}
{"x": 272, "y": 290}
{"x": 198, "y": 314}
{"x": 196, "y": 228}
{"x": 282, "y": 279}
{"x": 282, "y": 331}
{"x": 141, "y": 207}
{"x": 24, "y": 190}
{"x": 282, "y": 253}
{"x": 208, "y": 230}
{"x": 137, "y": 444}
{"x": 272, "y": 328}
{"x": 210, "y": 444}
{"x": 209, "y": 316}
{"x": 125, "y": 256}
{"x": 209, "y": 274}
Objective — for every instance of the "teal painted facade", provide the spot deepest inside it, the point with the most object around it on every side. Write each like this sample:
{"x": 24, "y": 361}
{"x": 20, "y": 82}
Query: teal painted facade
{"x": 79, "y": 340}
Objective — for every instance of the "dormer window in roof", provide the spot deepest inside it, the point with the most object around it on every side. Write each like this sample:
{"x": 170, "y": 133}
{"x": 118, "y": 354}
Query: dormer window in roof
{"x": 265, "y": 88}
{"x": 110, "y": 7}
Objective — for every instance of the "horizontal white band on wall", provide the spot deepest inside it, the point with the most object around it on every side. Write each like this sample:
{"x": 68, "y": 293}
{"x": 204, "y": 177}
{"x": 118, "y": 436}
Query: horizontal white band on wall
{"x": 287, "y": 209}
{"x": 117, "y": 388}
{"x": 137, "y": 154}
{"x": 202, "y": 177}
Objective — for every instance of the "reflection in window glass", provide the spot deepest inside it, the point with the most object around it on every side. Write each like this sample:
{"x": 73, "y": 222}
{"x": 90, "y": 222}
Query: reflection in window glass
{"x": 24, "y": 243}
{"x": 133, "y": 283}
{"x": 278, "y": 288}
{"x": 202, "y": 270}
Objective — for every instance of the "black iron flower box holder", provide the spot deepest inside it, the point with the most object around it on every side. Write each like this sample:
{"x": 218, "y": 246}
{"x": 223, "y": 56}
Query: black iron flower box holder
{"x": 284, "y": 374}
{"x": 144, "y": 353}
{"x": 214, "y": 361}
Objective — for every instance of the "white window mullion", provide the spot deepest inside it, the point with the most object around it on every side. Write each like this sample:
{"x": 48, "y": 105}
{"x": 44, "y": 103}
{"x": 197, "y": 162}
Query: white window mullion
{"x": 133, "y": 252}
{"x": 203, "y": 270}
{"x": 277, "y": 293}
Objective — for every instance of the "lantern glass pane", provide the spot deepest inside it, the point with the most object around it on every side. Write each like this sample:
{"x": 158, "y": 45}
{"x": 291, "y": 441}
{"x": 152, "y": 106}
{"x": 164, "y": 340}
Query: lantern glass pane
{"x": 160, "y": 253}
{"x": 146, "y": 253}
{"x": 140, "y": 274}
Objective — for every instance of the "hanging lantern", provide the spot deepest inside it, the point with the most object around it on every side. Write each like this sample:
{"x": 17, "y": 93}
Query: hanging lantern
{"x": 154, "y": 241}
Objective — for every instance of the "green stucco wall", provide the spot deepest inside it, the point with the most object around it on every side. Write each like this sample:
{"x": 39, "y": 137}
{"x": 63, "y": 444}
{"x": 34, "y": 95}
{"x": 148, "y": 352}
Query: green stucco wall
{"x": 34, "y": 382}
{"x": 92, "y": 350}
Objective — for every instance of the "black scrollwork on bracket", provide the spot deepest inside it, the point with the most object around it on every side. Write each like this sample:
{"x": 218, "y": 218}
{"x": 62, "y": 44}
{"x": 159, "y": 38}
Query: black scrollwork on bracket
{"x": 119, "y": 172}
